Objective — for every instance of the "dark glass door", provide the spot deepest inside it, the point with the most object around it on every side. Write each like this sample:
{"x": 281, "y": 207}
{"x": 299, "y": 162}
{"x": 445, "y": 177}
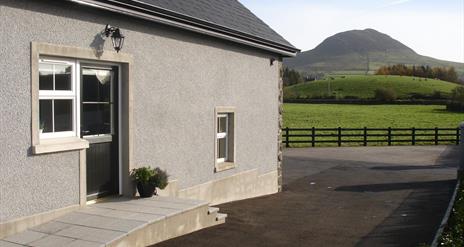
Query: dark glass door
{"x": 99, "y": 125}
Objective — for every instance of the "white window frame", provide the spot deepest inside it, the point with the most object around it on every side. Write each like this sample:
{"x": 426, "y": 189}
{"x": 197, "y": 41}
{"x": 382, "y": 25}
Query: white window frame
{"x": 230, "y": 137}
{"x": 222, "y": 135}
{"x": 62, "y": 95}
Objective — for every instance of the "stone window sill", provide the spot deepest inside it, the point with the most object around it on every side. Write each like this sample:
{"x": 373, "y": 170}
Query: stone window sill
{"x": 60, "y": 145}
{"x": 224, "y": 166}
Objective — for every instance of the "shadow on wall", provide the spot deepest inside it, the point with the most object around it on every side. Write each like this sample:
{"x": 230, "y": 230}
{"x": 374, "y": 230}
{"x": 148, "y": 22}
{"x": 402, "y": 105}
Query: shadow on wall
{"x": 98, "y": 44}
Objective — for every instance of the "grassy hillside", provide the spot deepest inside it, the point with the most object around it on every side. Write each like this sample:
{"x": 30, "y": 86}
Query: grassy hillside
{"x": 371, "y": 116}
{"x": 364, "y": 86}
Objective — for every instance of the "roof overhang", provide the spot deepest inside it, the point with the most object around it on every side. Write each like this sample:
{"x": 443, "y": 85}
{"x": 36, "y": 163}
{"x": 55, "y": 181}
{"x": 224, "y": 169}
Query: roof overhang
{"x": 159, "y": 15}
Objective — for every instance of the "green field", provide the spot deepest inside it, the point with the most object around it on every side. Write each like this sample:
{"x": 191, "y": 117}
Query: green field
{"x": 371, "y": 116}
{"x": 364, "y": 86}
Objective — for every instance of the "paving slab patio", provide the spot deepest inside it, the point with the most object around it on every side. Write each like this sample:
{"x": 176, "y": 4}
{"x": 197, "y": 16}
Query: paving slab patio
{"x": 116, "y": 220}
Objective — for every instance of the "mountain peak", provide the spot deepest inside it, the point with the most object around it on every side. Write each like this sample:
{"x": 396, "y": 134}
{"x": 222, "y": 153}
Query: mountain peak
{"x": 360, "y": 51}
{"x": 360, "y": 41}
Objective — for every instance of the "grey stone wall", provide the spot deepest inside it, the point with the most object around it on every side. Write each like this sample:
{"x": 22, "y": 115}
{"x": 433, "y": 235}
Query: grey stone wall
{"x": 179, "y": 78}
{"x": 280, "y": 125}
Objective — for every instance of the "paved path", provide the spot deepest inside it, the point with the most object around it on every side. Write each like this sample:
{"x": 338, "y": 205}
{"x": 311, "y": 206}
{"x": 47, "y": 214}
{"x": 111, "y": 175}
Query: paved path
{"x": 374, "y": 196}
{"x": 117, "y": 222}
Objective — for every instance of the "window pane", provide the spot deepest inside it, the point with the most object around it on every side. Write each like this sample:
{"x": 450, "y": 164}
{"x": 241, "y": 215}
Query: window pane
{"x": 62, "y": 77}
{"x": 96, "y": 85}
{"x": 97, "y": 119}
{"x": 45, "y": 116}
{"x": 63, "y": 115}
{"x": 45, "y": 76}
{"x": 222, "y": 124}
{"x": 222, "y": 148}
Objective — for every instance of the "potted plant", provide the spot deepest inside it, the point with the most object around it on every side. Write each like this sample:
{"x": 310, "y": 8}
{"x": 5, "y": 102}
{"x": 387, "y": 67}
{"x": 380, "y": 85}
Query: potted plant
{"x": 148, "y": 179}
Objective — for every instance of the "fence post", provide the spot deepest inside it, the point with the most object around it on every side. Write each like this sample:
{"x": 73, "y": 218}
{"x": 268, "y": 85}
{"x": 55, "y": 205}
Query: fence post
{"x": 389, "y": 136}
{"x": 436, "y": 135}
{"x": 457, "y": 136}
{"x": 339, "y": 136}
{"x": 287, "y": 143}
{"x": 313, "y": 136}
{"x": 365, "y": 136}
{"x": 413, "y": 137}
{"x": 461, "y": 149}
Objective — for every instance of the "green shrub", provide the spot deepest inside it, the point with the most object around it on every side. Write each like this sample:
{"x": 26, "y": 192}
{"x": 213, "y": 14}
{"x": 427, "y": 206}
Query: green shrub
{"x": 437, "y": 95}
{"x": 142, "y": 174}
{"x": 160, "y": 178}
{"x": 385, "y": 94}
{"x": 148, "y": 175}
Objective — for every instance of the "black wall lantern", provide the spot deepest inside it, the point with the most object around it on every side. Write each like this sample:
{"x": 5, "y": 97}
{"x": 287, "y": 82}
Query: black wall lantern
{"x": 116, "y": 37}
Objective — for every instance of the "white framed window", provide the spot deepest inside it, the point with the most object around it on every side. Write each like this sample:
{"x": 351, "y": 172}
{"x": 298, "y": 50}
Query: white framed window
{"x": 222, "y": 138}
{"x": 224, "y": 155}
{"x": 58, "y": 106}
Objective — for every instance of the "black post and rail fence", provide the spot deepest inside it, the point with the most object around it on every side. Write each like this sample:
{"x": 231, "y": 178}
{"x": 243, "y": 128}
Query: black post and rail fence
{"x": 365, "y": 136}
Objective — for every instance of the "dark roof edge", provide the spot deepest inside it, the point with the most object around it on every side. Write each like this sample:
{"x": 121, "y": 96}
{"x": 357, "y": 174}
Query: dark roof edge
{"x": 159, "y": 15}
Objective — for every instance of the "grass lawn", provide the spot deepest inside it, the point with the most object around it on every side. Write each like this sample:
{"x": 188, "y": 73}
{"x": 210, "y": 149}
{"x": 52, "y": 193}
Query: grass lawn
{"x": 364, "y": 86}
{"x": 371, "y": 116}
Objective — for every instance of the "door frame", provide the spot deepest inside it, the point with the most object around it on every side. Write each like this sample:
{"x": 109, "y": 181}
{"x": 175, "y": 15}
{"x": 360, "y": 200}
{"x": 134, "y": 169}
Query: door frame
{"x": 81, "y": 63}
{"x": 125, "y": 61}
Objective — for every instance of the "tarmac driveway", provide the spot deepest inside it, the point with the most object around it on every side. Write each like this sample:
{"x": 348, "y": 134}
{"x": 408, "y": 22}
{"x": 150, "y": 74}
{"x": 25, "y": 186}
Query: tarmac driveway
{"x": 363, "y": 196}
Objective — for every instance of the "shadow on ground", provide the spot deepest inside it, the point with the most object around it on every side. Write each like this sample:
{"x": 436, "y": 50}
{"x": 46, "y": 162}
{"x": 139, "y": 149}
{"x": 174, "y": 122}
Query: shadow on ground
{"x": 417, "y": 218}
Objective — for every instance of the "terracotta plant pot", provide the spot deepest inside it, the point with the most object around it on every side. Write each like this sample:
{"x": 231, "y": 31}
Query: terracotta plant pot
{"x": 146, "y": 190}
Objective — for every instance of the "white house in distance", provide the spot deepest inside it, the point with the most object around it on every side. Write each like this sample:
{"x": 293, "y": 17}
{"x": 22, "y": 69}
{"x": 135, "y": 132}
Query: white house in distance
{"x": 193, "y": 87}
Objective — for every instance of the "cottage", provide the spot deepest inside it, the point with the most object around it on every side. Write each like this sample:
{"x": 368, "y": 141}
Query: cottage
{"x": 91, "y": 89}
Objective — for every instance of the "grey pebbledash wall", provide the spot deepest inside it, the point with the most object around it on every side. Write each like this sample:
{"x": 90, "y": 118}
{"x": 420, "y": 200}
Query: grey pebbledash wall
{"x": 179, "y": 78}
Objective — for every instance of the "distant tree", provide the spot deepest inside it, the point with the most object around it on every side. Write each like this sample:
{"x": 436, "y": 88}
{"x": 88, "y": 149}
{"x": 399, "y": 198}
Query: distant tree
{"x": 291, "y": 77}
{"x": 452, "y": 75}
{"x": 457, "y": 94}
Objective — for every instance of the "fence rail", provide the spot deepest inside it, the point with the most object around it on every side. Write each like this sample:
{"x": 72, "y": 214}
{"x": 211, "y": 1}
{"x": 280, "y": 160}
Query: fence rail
{"x": 364, "y": 136}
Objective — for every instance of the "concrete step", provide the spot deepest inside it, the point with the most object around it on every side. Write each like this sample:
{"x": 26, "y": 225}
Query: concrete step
{"x": 213, "y": 210}
{"x": 221, "y": 217}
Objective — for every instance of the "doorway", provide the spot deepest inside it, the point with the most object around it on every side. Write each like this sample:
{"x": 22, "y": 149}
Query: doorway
{"x": 99, "y": 126}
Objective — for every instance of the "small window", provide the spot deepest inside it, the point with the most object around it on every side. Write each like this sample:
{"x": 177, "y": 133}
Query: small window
{"x": 57, "y": 99}
{"x": 224, "y": 138}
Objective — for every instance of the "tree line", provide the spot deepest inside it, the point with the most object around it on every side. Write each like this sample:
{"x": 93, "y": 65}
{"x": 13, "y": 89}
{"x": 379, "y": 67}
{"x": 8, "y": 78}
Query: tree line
{"x": 291, "y": 77}
{"x": 424, "y": 71}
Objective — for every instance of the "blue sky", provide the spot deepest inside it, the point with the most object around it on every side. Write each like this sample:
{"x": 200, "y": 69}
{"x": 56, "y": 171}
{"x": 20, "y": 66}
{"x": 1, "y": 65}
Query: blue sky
{"x": 431, "y": 27}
